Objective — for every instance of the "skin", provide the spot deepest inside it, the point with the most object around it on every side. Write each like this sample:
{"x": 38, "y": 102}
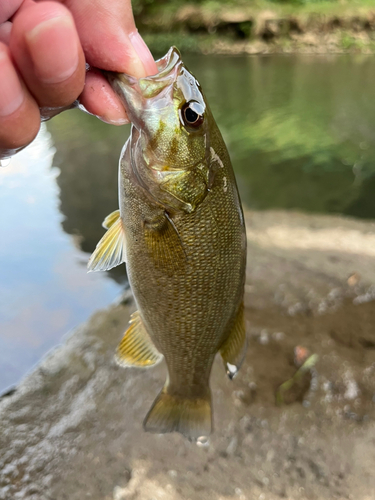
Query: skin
{"x": 44, "y": 48}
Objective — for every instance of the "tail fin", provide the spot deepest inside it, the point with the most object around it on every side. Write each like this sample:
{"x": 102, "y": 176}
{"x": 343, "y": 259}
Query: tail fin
{"x": 190, "y": 417}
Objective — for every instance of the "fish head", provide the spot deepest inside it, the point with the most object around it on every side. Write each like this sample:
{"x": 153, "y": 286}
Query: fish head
{"x": 171, "y": 129}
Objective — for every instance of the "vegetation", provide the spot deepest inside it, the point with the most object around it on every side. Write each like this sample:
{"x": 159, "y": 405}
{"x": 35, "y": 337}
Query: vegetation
{"x": 231, "y": 26}
{"x": 299, "y": 130}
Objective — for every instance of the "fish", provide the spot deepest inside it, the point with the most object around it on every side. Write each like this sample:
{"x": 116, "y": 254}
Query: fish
{"x": 180, "y": 230}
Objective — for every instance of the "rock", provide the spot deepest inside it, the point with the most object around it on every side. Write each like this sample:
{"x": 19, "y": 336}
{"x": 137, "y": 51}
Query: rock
{"x": 73, "y": 428}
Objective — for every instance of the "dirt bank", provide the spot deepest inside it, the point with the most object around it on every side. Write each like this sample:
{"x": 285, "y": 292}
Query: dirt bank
{"x": 73, "y": 428}
{"x": 270, "y": 28}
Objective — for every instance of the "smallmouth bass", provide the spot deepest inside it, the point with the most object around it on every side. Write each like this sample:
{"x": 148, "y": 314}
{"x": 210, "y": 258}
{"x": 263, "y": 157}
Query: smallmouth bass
{"x": 180, "y": 229}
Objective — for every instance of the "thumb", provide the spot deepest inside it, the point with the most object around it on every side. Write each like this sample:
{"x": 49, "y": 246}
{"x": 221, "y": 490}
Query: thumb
{"x": 110, "y": 41}
{"x": 109, "y": 37}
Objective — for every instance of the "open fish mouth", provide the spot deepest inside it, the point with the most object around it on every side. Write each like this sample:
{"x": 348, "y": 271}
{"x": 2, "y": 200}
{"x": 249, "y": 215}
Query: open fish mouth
{"x": 167, "y": 63}
{"x": 149, "y": 86}
{"x": 160, "y": 97}
{"x": 140, "y": 95}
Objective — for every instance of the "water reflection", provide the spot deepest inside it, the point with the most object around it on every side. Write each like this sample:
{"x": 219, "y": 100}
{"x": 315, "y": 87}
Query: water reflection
{"x": 44, "y": 287}
{"x": 300, "y": 130}
{"x": 87, "y": 154}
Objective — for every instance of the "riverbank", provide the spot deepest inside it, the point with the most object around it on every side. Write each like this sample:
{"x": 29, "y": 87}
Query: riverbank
{"x": 73, "y": 427}
{"x": 260, "y": 27}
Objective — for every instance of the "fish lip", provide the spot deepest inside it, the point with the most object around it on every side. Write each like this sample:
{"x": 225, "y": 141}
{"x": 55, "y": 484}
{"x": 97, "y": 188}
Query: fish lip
{"x": 166, "y": 65}
{"x": 140, "y": 95}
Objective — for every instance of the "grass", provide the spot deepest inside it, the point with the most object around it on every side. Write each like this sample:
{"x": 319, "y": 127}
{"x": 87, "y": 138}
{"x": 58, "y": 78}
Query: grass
{"x": 161, "y": 42}
{"x": 338, "y": 7}
{"x": 228, "y": 25}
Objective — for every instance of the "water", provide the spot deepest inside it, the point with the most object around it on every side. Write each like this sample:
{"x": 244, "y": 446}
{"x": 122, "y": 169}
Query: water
{"x": 301, "y": 133}
{"x": 44, "y": 287}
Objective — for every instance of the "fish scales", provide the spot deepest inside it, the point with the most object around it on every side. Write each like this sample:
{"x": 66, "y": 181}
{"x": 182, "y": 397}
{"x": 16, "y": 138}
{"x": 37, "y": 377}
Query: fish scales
{"x": 185, "y": 243}
{"x": 185, "y": 309}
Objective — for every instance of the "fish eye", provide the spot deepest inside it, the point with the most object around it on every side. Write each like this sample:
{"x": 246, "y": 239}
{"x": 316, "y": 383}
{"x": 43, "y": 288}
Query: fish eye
{"x": 191, "y": 115}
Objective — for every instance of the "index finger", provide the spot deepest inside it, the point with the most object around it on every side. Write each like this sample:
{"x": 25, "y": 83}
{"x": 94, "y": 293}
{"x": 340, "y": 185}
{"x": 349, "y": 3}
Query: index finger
{"x": 110, "y": 38}
{"x": 110, "y": 41}
{"x": 8, "y": 8}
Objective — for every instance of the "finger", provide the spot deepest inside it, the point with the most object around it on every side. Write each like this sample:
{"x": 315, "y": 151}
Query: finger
{"x": 19, "y": 113}
{"x": 8, "y": 8}
{"x": 45, "y": 46}
{"x": 5, "y": 30}
{"x": 99, "y": 99}
{"x": 114, "y": 45}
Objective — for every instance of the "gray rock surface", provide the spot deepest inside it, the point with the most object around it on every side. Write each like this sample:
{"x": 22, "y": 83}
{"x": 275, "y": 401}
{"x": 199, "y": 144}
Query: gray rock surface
{"x": 73, "y": 428}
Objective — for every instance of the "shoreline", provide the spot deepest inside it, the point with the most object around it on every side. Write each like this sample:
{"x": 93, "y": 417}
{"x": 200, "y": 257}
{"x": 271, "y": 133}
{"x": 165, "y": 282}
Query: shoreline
{"x": 275, "y": 28}
{"x": 73, "y": 427}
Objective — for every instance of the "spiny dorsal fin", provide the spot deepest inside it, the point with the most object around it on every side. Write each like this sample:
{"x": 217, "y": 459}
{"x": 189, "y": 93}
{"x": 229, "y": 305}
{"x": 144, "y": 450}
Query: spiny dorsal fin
{"x": 192, "y": 417}
{"x": 136, "y": 347}
{"x": 234, "y": 348}
{"x": 110, "y": 251}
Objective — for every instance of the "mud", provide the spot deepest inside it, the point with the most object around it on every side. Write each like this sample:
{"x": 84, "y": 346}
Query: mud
{"x": 73, "y": 427}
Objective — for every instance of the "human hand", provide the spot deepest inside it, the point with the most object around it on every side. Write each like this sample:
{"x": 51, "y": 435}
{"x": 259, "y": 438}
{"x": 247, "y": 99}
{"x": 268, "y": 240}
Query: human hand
{"x": 44, "y": 46}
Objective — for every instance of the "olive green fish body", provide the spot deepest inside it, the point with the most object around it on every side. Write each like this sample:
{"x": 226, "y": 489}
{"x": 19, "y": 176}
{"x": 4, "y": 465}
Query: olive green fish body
{"x": 185, "y": 245}
{"x": 188, "y": 302}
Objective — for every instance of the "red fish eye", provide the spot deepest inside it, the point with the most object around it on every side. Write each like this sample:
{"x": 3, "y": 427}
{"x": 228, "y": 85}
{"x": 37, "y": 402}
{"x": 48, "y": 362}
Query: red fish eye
{"x": 190, "y": 117}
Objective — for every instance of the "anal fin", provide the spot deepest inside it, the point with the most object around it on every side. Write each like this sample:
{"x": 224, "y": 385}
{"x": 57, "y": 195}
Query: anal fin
{"x": 234, "y": 348}
{"x": 136, "y": 348}
{"x": 110, "y": 251}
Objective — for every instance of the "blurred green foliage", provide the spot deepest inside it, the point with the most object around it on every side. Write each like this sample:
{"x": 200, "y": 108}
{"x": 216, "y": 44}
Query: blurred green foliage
{"x": 200, "y": 25}
{"x": 300, "y": 131}
{"x": 186, "y": 42}
{"x": 151, "y": 6}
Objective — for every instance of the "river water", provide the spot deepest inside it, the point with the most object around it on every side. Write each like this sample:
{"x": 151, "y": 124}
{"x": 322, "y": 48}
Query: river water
{"x": 301, "y": 133}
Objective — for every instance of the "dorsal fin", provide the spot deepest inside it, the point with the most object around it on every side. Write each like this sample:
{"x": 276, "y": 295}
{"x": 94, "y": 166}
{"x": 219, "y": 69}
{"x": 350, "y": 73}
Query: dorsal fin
{"x": 110, "y": 251}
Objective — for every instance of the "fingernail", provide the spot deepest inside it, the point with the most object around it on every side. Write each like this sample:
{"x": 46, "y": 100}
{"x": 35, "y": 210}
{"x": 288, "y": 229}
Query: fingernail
{"x": 53, "y": 47}
{"x": 113, "y": 121}
{"x": 145, "y": 65}
{"x": 11, "y": 93}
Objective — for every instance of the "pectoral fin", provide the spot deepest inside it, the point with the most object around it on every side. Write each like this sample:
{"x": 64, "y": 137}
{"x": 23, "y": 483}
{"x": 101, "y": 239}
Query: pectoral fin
{"x": 110, "y": 251}
{"x": 136, "y": 347}
{"x": 111, "y": 219}
{"x": 234, "y": 348}
{"x": 164, "y": 244}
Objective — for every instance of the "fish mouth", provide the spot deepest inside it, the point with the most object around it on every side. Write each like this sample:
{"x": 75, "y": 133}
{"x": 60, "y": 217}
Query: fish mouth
{"x": 167, "y": 63}
{"x": 148, "y": 86}
{"x": 137, "y": 93}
